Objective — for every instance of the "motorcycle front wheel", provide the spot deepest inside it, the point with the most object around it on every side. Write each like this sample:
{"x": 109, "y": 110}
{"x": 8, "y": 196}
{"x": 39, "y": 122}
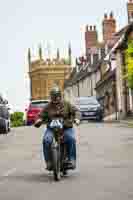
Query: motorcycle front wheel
{"x": 56, "y": 163}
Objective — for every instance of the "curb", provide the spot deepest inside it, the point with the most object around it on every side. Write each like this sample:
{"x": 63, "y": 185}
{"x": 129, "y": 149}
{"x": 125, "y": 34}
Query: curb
{"x": 126, "y": 122}
{"x": 111, "y": 121}
{"x": 122, "y": 122}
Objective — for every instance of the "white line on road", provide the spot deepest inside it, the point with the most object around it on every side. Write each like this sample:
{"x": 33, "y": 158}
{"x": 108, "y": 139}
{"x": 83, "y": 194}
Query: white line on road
{"x": 6, "y": 174}
{"x": 9, "y": 172}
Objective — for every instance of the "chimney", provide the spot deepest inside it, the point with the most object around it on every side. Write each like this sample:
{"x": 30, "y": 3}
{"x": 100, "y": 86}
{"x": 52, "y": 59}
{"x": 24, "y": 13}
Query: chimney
{"x": 29, "y": 59}
{"x": 91, "y": 38}
{"x": 109, "y": 26}
{"x": 130, "y": 11}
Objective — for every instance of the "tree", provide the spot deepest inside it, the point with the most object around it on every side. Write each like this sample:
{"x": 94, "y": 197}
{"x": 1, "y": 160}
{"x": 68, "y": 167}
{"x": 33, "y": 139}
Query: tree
{"x": 129, "y": 63}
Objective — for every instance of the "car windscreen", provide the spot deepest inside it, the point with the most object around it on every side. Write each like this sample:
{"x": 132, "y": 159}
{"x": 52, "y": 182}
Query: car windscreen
{"x": 88, "y": 101}
{"x": 39, "y": 104}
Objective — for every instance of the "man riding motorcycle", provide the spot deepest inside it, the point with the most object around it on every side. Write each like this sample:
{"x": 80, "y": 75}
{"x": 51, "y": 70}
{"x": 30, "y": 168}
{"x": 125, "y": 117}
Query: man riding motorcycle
{"x": 58, "y": 107}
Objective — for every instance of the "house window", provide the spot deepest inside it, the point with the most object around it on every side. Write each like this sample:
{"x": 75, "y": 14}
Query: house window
{"x": 89, "y": 57}
{"x": 95, "y": 58}
{"x": 102, "y": 52}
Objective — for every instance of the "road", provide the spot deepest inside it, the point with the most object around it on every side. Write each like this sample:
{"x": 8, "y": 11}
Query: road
{"x": 104, "y": 169}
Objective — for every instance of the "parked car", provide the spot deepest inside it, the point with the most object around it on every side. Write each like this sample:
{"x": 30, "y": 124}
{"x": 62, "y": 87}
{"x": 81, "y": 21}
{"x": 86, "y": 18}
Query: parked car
{"x": 4, "y": 119}
{"x": 35, "y": 107}
{"x": 89, "y": 108}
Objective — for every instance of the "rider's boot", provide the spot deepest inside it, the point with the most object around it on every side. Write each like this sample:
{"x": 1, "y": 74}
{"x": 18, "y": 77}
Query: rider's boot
{"x": 71, "y": 164}
{"x": 49, "y": 166}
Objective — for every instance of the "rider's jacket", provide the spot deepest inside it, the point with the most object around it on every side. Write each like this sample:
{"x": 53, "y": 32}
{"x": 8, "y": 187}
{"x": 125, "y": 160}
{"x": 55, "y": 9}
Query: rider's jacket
{"x": 62, "y": 110}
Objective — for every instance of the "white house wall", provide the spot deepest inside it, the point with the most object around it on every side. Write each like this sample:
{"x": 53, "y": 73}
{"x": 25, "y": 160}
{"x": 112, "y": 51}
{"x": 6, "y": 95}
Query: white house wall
{"x": 89, "y": 85}
{"x": 94, "y": 83}
{"x": 98, "y": 76}
{"x": 119, "y": 86}
{"x": 85, "y": 87}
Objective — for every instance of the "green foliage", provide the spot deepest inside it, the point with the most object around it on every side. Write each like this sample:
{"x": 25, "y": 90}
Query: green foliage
{"x": 17, "y": 119}
{"x": 129, "y": 63}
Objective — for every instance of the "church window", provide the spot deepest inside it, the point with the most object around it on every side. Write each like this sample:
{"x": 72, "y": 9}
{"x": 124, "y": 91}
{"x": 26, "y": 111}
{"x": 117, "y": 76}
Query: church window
{"x": 102, "y": 52}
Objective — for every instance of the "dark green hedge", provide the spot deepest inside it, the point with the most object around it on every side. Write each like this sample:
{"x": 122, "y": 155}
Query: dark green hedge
{"x": 17, "y": 119}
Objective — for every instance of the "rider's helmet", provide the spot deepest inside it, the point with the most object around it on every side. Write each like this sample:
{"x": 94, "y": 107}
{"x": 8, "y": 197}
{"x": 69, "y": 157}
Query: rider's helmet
{"x": 55, "y": 94}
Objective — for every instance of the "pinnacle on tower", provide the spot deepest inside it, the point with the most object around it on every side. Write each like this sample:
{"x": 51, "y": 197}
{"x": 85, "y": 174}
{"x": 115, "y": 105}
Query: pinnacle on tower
{"x": 29, "y": 56}
{"x": 69, "y": 53}
{"x": 58, "y": 54}
{"x": 40, "y": 52}
{"x": 69, "y": 49}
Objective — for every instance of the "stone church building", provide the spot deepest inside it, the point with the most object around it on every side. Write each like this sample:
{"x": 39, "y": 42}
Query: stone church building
{"x": 45, "y": 72}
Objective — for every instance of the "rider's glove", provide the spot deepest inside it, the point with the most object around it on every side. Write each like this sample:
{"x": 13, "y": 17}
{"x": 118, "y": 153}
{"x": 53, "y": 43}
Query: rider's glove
{"x": 77, "y": 121}
{"x": 38, "y": 123}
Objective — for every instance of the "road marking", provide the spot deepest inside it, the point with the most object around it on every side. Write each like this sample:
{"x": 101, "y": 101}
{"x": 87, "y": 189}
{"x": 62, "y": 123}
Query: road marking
{"x": 6, "y": 174}
{"x": 9, "y": 172}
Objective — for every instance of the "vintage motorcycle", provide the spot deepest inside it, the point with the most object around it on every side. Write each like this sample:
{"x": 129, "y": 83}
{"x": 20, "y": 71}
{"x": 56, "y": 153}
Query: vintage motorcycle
{"x": 58, "y": 150}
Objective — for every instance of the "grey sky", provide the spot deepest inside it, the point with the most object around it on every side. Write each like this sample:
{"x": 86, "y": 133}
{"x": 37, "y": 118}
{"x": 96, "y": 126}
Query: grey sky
{"x": 26, "y": 23}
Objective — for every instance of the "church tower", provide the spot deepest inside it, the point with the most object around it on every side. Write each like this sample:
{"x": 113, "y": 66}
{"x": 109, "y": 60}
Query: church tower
{"x": 45, "y": 72}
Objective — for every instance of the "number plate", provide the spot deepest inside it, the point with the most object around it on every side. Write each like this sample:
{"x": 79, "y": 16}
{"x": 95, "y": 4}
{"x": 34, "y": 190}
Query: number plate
{"x": 88, "y": 113}
{"x": 56, "y": 124}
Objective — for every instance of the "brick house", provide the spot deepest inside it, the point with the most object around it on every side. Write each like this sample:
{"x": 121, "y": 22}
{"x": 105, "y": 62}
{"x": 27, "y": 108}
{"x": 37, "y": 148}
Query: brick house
{"x": 112, "y": 88}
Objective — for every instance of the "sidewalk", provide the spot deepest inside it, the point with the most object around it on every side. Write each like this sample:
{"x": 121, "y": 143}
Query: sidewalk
{"x": 127, "y": 122}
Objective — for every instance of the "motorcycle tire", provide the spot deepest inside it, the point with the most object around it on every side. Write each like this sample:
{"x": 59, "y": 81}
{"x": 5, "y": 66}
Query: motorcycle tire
{"x": 64, "y": 172}
{"x": 56, "y": 164}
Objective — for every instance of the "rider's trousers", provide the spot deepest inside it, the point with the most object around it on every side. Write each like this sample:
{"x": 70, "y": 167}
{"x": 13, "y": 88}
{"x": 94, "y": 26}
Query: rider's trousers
{"x": 69, "y": 139}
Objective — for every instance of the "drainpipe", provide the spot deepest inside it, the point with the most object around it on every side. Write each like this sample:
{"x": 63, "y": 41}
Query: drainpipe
{"x": 78, "y": 89}
{"x": 115, "y": 98}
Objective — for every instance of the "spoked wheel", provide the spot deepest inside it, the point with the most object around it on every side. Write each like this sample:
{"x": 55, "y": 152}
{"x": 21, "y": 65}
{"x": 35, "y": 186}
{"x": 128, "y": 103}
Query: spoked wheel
{"x": 63, "y": 159}
{"x": 56, "y": 164}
